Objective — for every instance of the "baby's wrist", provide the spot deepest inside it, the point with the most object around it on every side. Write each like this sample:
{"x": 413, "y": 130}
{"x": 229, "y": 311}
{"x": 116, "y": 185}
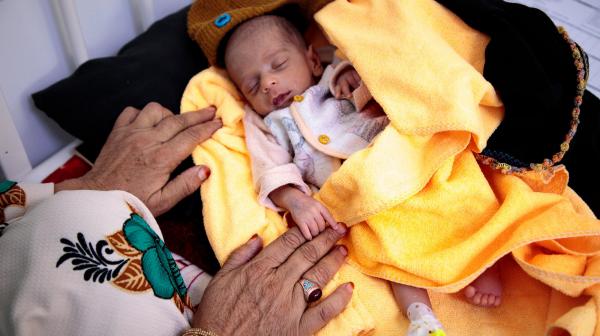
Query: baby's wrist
{"x": 285, "y": 196}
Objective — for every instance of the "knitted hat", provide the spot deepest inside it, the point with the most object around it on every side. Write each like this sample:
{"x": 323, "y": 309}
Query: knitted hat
{"x": 209, "y": 21}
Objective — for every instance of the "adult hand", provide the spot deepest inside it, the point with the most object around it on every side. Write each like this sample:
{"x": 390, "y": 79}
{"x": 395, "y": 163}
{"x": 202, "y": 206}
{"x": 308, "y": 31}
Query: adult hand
{"x": 142, "y": 151}
{"x": 257, "y": 292}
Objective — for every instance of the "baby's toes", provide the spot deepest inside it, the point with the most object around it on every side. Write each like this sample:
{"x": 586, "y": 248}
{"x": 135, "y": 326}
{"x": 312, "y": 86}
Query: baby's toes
{"x": 470, "y": 292}
{"x": 477, "y": 298}
{"x": 497, "y": 301}
{"x": 488, "y": 300}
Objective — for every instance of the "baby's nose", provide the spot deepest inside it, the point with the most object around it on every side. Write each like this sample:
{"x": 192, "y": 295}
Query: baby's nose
{"x": 270, "y": 83}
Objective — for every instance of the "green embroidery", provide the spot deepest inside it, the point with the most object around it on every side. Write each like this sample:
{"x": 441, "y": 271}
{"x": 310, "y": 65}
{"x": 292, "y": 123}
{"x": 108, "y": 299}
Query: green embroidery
{"x": 6, "y": 185}
{"x": 158, "y": 264}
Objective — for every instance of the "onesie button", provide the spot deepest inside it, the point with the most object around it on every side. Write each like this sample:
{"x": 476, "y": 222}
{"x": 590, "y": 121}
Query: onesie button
{"x": 298, "y": 99}
{"x": 222, "y": 20}
{"x": 324, "y": 139}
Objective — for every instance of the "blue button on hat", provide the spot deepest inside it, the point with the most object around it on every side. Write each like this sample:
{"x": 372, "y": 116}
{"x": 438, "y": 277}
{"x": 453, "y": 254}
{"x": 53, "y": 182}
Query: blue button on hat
{"x": 222, "y": 20}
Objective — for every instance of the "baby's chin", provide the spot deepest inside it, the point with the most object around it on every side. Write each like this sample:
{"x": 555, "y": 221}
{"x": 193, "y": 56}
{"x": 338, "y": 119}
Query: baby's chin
{"x": 284, "y": 105}
{"x": 265, "y": 112}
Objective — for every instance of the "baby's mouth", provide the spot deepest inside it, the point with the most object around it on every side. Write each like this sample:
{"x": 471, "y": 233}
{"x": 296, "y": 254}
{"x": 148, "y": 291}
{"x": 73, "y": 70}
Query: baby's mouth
{"x": 280, "y": 100}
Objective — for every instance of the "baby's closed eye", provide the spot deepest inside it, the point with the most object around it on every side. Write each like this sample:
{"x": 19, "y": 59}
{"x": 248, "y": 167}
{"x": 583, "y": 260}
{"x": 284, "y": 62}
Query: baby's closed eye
{"x": 279, "y": 64}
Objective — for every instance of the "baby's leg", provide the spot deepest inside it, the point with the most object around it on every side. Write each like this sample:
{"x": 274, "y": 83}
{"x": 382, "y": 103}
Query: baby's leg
{"x": 416, "y": 306}
{"x": 486, "y": 290}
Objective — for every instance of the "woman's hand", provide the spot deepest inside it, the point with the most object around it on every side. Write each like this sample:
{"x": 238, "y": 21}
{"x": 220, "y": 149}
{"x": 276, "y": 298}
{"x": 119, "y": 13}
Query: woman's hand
{"x": 257, "y": 292}
{"x": 142, "y": 151}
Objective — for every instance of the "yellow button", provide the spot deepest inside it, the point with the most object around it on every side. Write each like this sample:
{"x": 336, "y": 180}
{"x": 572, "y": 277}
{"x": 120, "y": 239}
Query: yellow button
{"x": 324, "y": 139}
{"x": 298, "y": 99}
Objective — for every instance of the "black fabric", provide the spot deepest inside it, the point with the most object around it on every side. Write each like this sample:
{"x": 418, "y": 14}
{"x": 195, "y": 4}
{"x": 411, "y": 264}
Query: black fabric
{"x": 155, "y": 66}
{"x": 532, "y": 69}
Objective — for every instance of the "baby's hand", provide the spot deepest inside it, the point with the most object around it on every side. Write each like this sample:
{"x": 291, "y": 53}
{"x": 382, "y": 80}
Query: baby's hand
{"x": 346, "y": 82}
{"x": 311, "y": 216}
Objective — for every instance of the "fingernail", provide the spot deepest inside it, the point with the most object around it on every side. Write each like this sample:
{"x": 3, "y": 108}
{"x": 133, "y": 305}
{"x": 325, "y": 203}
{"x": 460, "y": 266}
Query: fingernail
{"x": 341, "y": 229}
{"x": 350, "y": 286}
{"x": 254, "y": 238}
{"x": 204, "y": 173}
{"x": 343, "y": 249}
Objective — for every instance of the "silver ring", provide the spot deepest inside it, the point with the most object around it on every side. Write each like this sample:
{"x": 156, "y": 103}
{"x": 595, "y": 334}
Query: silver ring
{"x": 312, "y": 291}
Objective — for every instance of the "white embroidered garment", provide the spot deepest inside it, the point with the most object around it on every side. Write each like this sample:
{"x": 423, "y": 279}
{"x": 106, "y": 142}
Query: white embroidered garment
{"x": 89, "y": 262}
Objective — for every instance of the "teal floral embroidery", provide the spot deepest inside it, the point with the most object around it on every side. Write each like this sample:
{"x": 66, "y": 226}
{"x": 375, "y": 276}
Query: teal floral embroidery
{"x": 10, "y": 195}
{"x": 158, "y": 264}
{"x": 6, "y": 185}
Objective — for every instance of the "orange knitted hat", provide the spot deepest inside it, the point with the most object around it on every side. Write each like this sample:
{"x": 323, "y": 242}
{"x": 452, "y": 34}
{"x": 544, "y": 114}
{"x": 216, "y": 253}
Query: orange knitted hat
{"x": 209, "y": 21}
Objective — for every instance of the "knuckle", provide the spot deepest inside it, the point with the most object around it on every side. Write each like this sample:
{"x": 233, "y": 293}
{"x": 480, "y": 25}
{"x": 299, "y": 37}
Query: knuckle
{"x": 153, "y": 106}
{"x": 292, "y": 239}
{"x": 196, "y": 134}
{"x": 326, "y": 312}
{"x": 210, "y": 112}
{"x": 320, "y": 275}
{"x": 310, "y": 253}
{"x": 188, "y": 186}
{"x": 331, "y": 237}
{"x": 129, "y": 109}
{"x": 179, "y": 120}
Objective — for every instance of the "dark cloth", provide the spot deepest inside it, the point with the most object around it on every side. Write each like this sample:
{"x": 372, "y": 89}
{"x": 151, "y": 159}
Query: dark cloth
{"x": 155, "y": 66}
{"x": 532, "y": 69}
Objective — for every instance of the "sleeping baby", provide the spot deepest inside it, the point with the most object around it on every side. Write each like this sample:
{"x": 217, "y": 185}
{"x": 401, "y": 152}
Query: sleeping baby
{"x": 302, "y": 121}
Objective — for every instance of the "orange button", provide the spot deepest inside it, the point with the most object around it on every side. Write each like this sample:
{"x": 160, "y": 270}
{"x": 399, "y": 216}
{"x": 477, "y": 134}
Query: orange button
{"x": 324, "y": 139}
{"x": 298, "y": 99}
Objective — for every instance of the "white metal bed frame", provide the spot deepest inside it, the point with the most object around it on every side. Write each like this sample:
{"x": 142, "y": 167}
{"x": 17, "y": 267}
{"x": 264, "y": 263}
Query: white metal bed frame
{"x": 14, "y": 162}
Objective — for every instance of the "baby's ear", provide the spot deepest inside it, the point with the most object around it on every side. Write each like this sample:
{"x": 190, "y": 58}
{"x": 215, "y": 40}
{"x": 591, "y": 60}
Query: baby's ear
{"x": 315, "y": 62}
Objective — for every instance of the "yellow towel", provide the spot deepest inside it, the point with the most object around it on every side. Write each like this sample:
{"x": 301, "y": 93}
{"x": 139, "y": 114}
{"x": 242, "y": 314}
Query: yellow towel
{"x": 422, "y": 211}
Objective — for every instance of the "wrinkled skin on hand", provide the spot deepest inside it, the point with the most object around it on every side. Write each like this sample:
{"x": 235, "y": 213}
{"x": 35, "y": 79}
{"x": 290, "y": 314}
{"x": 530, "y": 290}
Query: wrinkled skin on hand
{"x": 257, "y": 292}
{"x": 143, "y": 149}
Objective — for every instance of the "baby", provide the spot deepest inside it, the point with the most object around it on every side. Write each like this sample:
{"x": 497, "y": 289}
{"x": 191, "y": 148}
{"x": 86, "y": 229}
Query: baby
{"x": 300, "y": 127}
{"x": 305, "y": 133}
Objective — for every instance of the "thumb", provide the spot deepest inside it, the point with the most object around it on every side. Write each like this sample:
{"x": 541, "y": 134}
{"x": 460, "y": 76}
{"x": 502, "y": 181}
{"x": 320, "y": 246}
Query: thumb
{"x": 180, "y": 187}
{"x": 243, "y": 254}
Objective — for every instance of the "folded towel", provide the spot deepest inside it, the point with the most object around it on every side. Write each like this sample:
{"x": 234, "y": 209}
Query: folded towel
{"x": 422, "y": 211}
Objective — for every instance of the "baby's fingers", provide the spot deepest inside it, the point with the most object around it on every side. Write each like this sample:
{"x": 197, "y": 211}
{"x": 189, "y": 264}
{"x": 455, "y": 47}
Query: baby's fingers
{"x": 353, "y": 83}
{"x": 337, "y": 90}
{"x": 345, "y": 89}
{"x": 356, "y": 77}
{"x": 313, "y": 226}
{"x": 329, "y": 218}
{"x": 305, "y": 230}
{"x": 321, "y": 223}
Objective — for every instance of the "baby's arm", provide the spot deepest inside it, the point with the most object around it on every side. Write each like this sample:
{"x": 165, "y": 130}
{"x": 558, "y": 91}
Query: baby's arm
{"x": 308, "y": 213}
{"x": 279, "y": 182}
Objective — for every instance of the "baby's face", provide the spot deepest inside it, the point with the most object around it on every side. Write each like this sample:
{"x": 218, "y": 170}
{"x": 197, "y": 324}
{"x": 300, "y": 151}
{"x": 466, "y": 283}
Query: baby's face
{"x": 270, "y": 70}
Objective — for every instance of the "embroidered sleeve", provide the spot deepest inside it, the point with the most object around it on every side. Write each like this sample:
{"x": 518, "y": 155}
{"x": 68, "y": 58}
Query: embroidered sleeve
{"x": 104, "y": 252}
{"x": 15, "y": 198}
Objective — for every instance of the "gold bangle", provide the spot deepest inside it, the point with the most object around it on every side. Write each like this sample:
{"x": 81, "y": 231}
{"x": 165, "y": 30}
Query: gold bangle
{"x": 198, "y": 332}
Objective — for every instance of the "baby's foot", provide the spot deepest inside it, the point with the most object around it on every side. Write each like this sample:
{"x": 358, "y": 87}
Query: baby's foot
{"x": 422, "y": 321}
{"x": 486, "y": 290}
